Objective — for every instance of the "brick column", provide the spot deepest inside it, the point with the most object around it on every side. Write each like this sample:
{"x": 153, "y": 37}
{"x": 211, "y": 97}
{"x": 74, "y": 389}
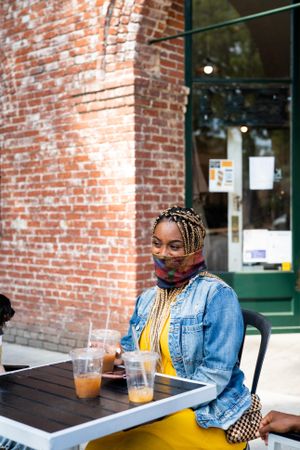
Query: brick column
{"x": 92, "y": 148}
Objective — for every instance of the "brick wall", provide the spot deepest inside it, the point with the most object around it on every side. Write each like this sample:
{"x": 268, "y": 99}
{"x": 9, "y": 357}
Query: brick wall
{"x": 92, "y": 148}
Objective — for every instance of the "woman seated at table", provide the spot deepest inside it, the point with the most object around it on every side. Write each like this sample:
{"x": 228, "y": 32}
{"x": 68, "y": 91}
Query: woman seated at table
{"x": 194, "y": 321}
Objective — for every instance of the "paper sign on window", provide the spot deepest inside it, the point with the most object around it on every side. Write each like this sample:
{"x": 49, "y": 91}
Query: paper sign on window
{"x": 261, "y": 172}
{"x": 267, "y": 246}
{"x": 255, "y": 246}
{"x": 221, "y": 175}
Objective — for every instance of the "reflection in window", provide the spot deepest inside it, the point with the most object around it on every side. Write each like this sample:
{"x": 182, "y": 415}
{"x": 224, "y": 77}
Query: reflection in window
{"x": 241, "y": 81}
{"x": 251, "y": 49}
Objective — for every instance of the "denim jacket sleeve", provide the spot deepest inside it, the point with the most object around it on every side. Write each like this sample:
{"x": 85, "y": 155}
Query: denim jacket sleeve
{"x": 127, "y": 342}
{"x": 222, "y": 334}
{"x": 222, "y": 338}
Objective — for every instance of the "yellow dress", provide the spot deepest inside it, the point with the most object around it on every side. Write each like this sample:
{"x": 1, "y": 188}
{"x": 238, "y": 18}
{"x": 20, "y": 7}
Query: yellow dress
{"x": 178, "y": 431}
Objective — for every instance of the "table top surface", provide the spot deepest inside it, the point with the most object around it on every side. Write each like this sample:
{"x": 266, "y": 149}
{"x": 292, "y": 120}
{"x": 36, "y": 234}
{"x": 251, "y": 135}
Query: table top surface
{"x": 292, "y": 436}
{"x": 39, "y": 407}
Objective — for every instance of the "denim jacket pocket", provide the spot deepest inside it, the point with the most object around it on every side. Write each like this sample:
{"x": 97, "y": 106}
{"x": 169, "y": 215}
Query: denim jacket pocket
{"x": 192, "y": 343}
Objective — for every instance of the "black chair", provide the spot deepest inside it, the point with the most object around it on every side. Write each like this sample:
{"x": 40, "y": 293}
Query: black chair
{"x": 263, "y": 326}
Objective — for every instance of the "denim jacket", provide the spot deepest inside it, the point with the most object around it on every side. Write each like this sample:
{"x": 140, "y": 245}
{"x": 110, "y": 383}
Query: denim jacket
{"x": 205, "y": 335}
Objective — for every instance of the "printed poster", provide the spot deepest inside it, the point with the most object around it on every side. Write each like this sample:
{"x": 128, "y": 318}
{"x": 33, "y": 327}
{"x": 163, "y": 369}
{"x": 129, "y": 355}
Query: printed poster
{"x": 255, "y": 246}
{"x": 261, "y": 172}
{"x": 280, "y": 247}
{"x": 267, "y": 246}
{"x": 221, "y": 175}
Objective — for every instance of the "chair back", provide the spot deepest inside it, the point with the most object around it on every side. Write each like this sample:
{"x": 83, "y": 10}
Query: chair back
{"x": 261, "y": 324}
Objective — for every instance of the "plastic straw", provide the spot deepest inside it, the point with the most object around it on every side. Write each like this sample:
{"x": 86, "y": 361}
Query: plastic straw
{"x": 107, "y": 319}
{"x": 136, "y": 342}
{"x": 90, "y": 334}
{"x": 106, "y": 326}
{"x": 88, "y": 342}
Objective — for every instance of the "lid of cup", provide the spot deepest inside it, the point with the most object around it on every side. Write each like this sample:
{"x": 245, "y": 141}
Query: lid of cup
{"x": 86, "y": 353}
{"x": 140, "y": 356}
{"x": 103, "y": 333}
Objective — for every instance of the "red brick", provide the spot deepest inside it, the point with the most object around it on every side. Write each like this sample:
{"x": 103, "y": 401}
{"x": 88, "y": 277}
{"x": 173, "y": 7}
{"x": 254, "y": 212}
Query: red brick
{"x": 83, "y": 181}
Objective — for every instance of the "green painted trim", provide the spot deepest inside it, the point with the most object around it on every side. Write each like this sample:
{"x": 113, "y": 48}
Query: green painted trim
{"x": 189, "y": 112}
{"x": 295, "y": 158}
{"x": 227, "y": 23}
{"x": 261, "y": 285}
{"x": 274, "y": 294}
{"x": 296, "y": 140}
{"x": 224, "y": 81}
{"x": 278, "y": 330}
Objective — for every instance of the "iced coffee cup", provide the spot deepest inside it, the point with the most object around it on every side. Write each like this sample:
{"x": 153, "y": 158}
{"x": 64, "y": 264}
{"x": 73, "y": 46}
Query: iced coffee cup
{"x": 87, "y": 371}
{"x": 140, "y": 369}
{"x": 108, "y": 341}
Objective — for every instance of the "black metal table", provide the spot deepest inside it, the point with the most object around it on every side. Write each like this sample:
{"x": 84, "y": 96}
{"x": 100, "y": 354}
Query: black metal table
{"x": 39, "y": 407}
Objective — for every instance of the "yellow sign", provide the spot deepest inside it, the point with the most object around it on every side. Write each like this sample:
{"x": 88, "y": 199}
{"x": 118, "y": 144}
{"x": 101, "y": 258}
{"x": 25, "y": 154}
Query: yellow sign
{"x": 286, "y": 266}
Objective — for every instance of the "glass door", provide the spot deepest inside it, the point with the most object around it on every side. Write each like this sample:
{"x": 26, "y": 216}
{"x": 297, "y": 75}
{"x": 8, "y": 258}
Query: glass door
{"x": 242, "y": 136}
{"x": 240, "y": 152}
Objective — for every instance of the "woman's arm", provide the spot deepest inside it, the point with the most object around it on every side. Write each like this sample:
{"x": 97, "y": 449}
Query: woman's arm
{"x": 138, "y": 318}
{"x": 127, "y": 341}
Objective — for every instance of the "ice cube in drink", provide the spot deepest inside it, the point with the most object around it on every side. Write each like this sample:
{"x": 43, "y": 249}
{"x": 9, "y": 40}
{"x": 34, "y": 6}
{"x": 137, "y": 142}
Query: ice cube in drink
{"x": 142, "y": 394}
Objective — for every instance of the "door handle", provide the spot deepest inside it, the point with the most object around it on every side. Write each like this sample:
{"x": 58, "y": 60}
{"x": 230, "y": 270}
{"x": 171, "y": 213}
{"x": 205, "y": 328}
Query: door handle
{"x": 237, "y": 201}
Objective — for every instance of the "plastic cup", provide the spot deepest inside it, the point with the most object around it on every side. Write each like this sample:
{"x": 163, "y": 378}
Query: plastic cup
{"x": 140, "y": 369}
{"x": 108, "y": 341}
{"x": 87, "y": 370}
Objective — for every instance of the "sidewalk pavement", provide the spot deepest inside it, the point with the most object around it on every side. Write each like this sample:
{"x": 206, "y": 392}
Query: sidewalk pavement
{"x": 279, "y": 383}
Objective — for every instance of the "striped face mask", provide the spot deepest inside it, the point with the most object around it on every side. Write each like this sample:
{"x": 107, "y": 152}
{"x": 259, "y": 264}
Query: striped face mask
{"x": 174, "y": 271}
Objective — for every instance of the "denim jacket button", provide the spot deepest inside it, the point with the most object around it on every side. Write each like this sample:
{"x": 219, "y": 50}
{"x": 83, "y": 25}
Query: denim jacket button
{"x": 137, "y": 327}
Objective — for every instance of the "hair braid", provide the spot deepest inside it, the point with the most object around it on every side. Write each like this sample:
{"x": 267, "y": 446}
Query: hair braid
{"x": 190, "y": 226}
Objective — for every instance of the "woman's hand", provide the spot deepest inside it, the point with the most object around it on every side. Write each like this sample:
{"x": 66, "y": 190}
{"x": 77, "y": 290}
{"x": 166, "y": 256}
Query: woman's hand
{"x": 278, "y": 422}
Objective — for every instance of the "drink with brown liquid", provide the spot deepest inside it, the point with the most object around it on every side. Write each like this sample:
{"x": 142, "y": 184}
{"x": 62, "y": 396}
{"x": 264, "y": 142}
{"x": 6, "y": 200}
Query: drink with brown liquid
{"x": 140, "y": 369}
{"x": 108, "y": 341}
{"x": 87, "y": 371}
{"x": 140, "y": 394}
{"x": 87, "y": 386}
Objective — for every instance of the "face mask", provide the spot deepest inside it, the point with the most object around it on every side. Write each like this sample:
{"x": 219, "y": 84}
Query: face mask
{"x": 174, "y": 271}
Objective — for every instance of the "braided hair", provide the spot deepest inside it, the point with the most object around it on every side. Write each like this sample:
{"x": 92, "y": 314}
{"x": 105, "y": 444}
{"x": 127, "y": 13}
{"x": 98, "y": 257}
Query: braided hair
{"x": 193, "y": 233}
{"x": 190, "y": 226}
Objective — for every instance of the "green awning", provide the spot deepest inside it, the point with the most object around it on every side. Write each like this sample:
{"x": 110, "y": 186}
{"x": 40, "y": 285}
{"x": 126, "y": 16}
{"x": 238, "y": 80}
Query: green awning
{"x": 227, "y": 23}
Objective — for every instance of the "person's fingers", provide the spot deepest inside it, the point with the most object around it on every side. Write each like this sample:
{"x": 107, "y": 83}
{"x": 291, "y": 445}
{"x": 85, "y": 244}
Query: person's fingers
{"x": 264, "y": 436}
{"x": 263, "y": 423}
{"x": 265, "y": 429}
{"x": 268, "y": 418}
